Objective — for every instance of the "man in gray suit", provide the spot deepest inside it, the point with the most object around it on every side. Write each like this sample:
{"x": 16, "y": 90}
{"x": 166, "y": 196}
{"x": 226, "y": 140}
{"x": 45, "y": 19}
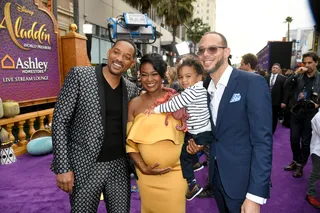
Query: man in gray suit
{"x": 88, "y": 132}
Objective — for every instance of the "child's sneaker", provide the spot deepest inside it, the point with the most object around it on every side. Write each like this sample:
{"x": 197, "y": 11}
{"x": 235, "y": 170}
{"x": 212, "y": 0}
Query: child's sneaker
{"x": 197, "y": 167}
{"x": 134, "y": 188}
{"x": 194, "y": 192}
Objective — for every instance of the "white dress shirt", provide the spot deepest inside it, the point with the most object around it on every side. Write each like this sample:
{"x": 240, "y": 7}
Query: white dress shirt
{"x": 273, "y": 78}
{"x": 315, "y": 140}
{"x": 216, "y": 93}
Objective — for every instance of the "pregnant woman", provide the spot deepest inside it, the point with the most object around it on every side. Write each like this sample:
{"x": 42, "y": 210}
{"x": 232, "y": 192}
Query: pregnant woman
{"x": 154, "y": 143}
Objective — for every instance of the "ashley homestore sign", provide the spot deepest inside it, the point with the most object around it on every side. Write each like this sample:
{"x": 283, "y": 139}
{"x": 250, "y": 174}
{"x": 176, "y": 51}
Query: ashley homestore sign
{"x": 28, "y": 51}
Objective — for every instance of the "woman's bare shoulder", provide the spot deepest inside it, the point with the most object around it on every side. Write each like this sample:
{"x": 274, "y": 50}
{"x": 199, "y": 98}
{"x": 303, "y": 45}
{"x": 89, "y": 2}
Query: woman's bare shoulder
{"x": 137, "y": 101}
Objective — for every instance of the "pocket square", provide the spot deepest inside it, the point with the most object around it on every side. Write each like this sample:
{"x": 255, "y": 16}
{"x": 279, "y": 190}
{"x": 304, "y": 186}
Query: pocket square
{"x": 235, "y": 97}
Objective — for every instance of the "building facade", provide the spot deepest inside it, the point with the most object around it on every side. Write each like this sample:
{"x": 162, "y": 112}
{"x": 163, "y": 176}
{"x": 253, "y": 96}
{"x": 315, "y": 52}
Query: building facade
{"x": 303, "y": 41}
{"x": 96, "y": 13}
{"x": 206, "y": 10}
{"x": 64, "y": 13}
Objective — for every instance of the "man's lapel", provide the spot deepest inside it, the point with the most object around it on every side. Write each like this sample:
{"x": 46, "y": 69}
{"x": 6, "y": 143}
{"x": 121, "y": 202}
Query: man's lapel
{"x": 227, "y": 95}
{"x": 206, "y": 84}
{"x": 102, "y": 101}
{"x": 213, "y": 127}
{"x": 276, "y": 80}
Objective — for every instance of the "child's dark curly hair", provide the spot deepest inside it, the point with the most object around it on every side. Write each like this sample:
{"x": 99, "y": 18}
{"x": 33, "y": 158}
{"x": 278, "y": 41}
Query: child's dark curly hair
{"x": 193, "y": 62}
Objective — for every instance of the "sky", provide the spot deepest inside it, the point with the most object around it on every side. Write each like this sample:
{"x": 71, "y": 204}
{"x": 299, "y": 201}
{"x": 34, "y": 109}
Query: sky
{"x": 249, "y": 24}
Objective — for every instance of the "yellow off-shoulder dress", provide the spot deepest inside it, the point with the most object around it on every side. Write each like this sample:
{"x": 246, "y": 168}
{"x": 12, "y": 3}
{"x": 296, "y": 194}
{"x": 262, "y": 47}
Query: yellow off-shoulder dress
{"x": 157, "y": 142}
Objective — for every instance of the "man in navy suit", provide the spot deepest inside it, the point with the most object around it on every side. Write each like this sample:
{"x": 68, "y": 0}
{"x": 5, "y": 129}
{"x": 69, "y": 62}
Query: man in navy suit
{"x": 241, "y": 112}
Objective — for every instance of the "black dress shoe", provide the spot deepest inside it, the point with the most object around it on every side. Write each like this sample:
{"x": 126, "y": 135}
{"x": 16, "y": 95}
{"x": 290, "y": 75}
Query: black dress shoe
{"x": 207, "y": 192}
{"x": 205, "y": 163}
{"x": 291, "y": 166}
{"x": 298, "y": 173}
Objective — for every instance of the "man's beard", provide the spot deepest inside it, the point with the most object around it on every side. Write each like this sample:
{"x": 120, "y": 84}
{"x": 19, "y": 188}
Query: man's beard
{"x": 216, "y": 67}
{"x": 310, "y": 70}
{"x": 114, "y": 73}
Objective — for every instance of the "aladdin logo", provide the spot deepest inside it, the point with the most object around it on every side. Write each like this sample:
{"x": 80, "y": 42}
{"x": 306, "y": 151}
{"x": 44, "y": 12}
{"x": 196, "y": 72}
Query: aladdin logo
{"x": 28, "y": 66}
{"x": 17, "y": 32}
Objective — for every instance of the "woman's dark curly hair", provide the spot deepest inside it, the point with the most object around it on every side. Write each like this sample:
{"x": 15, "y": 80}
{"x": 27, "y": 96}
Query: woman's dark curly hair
{"x": 159, "y": 65}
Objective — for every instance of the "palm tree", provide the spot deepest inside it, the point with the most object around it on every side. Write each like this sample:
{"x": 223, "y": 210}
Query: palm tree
{"x": 196, "y": 29}
{"x": 288, "y": 20}
{"x": 175, "y": 13}
{"x": 142, "y": 5}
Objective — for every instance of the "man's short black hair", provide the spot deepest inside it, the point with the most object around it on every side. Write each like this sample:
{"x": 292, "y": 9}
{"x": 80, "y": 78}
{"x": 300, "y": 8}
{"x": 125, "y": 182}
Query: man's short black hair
{"x": 313, "y": 55}
{"x": 277, "y": 64}
{"x": 130, "y": 42}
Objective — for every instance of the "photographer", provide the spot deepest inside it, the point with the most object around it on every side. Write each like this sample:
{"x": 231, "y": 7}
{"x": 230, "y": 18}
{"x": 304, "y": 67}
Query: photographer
{"x": 304, "y": 86}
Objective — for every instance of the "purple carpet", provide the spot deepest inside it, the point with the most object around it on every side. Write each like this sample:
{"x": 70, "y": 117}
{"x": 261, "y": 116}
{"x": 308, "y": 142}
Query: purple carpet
{"x": 29, "y": 186}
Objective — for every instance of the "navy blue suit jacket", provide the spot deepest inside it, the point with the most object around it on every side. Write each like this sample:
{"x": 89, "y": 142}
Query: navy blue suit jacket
{"x": 243, "y": 136}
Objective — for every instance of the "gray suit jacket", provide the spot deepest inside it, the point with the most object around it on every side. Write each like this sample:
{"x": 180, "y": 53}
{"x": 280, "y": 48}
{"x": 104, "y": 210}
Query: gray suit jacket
{"x": 78, "y": 121}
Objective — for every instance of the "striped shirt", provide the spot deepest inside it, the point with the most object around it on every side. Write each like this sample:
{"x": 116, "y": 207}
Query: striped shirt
{"x": 194, "y": 99}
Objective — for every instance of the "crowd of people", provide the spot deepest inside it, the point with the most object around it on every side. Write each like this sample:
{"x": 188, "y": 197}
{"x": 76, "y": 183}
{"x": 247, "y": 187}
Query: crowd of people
{"x": 295, "y": 98}
{"x": 105, "y": 128}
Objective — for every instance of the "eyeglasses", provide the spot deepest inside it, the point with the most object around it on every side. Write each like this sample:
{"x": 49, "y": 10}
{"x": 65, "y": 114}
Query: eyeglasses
{"x": 210, "y": 50}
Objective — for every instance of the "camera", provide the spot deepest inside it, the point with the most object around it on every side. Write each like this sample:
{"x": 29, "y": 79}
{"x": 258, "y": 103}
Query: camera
{"x": 314, "y": 97}
{"x": 303, "y": 105}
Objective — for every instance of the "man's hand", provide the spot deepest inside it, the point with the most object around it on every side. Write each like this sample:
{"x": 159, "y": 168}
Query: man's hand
{"x": 65, "y": 181}
{"x": 153, "y": 170}
{"x": 301, "y": 70}
{"x": 283, "y": 105}
{"x": 249, "y": 206}
{"x": 193, "y": 148}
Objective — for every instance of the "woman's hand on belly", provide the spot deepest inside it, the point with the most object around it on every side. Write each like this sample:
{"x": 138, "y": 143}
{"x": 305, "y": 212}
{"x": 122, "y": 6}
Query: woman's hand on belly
{"x": 154, "y": 170}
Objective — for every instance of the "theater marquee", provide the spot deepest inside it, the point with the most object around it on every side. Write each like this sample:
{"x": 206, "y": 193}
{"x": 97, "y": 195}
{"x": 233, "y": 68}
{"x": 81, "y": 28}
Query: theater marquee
{"x": 28, "y": 51}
